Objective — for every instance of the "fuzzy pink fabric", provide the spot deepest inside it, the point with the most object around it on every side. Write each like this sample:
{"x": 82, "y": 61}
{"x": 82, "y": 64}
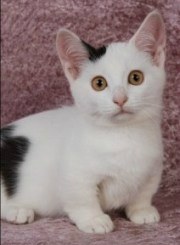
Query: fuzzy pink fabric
{"x": 33, "y": 81}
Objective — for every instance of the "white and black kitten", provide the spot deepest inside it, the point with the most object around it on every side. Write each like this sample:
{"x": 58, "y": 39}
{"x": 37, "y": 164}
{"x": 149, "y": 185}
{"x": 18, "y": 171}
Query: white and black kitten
{"x": 102, "y": 153}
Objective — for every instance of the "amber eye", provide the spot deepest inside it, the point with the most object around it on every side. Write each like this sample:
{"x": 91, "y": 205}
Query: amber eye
{"x": 99, "y": 83}
{"x": 135, "y": 77}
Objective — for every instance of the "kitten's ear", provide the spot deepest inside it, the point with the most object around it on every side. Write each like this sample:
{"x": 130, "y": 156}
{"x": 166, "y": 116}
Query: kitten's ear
{"x": 72, "y": 53}
{"x": 151, "y": 37}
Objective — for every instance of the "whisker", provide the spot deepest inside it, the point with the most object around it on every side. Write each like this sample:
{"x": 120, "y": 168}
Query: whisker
{"x": 150, "y": 104}
{"x": 151, "y": 118}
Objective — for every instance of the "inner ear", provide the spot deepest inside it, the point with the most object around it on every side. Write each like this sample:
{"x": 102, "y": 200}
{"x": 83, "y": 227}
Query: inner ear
{"x": 151, "y": 37}
{"x": 72, "y": 53}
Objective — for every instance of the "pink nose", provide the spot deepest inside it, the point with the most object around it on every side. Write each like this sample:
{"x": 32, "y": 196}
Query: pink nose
{"x": 121, "y": 100}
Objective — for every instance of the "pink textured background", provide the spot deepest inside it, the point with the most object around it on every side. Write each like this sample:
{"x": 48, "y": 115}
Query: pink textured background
{"x": 32, "y": 81}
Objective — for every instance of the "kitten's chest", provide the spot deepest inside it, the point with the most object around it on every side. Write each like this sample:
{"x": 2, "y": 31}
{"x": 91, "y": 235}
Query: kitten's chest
{"x": 115, "y": 146}
{"x": 125, "y": 151}
{"x": 111, "y": 141}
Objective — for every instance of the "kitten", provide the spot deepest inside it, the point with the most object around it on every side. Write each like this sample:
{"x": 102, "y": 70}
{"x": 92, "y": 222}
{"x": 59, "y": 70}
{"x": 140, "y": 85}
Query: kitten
{"x": 104, "y": 152}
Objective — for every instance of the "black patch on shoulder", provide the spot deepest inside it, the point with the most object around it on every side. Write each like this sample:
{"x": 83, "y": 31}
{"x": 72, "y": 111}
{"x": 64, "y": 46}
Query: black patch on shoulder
{"x": 13, "y": 151}
{"x": 6, "y": 132}
{"x": 94, "y": 53}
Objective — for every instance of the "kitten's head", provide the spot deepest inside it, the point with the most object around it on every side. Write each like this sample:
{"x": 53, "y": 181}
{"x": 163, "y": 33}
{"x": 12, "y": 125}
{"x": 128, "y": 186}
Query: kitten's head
{"x": 121, "y": 81}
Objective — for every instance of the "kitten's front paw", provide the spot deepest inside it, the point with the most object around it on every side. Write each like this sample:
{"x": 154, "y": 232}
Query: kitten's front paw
{"x": 144, "y": 216}
{"x": 99, "y": 224}
{"x": 18, "y": 215}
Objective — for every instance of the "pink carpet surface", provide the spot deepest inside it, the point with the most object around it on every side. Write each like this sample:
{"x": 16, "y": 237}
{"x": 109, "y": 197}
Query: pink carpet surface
{"x": 33, "y": 81}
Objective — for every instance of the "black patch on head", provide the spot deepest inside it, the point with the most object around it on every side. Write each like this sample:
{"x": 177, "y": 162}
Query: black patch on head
{"x": 94, "y": 53}
{"x": 13, "y": 150}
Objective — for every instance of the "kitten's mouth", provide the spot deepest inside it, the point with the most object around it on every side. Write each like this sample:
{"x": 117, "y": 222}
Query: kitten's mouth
{"x": 123, "y": 112}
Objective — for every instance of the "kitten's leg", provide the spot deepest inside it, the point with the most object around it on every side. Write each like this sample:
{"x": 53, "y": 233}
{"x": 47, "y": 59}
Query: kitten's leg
{"x": 141, "y": 211}
{"x": 84, "y": 210}
{"x": 14, "y": 213}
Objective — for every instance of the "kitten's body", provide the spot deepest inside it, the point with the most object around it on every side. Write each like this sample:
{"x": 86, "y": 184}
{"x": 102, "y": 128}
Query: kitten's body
{"x": 82, "y": 164}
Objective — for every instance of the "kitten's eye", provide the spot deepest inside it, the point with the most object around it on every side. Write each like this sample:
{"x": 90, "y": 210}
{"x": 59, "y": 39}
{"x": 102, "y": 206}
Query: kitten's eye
{"x": 135, "y": 77}
{"x": 99, "y": 83}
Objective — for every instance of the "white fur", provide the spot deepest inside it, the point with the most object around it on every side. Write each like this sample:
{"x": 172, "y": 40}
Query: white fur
{"x": 88, "y": 159}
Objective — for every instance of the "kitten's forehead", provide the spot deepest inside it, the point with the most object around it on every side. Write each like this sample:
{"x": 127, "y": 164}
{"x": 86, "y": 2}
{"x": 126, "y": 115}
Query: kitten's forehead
{"x": 120, "y": 58}
{"x": 124, "y": 54}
